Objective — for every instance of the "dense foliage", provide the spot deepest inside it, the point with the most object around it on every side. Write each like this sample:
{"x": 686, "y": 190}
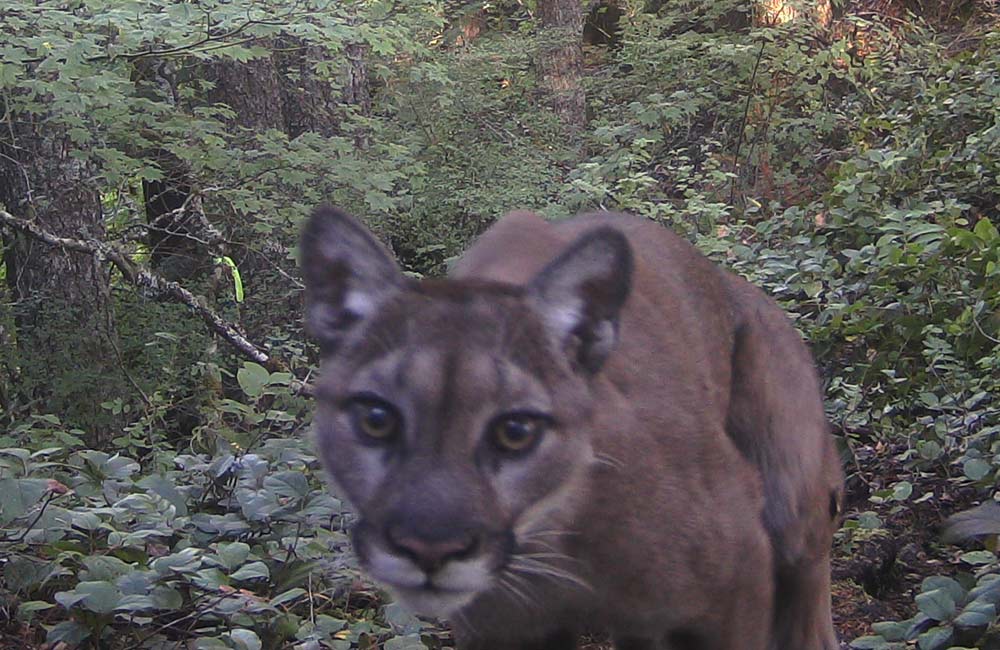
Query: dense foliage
{"x": 854, "y": 172}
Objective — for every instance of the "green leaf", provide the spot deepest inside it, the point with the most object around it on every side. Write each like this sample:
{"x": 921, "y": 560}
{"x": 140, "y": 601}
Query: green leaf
{"x": 891, "y": 630}
{"x": 935, "y": 638}
{"x": 168, "y": 598}
{"x": 869, "y": 520}
{"x": 26, "y": 609}
{"x": 185, "y": 561}
{"x": 978, "y": 558}
{"x": 869, "y": 643}
{"x": 976, "y": 469}
{"x": 134, "y": 603}
{"x": 408, "y": 642}
{"x": 985, "y": 230}
{"x": 100, "y": 597}
{"x": 251, "y": 571}
{"x": 23, "y": 574}
{"x": 252, "y": 378}
{"x": 937, "y": 604}
{"x": 104, "y": 567}
{"x": 401, "y": 620}
{"x": 211, "y": 578}
{"x": 902, "y": 490}
{"x": 245, "y": 640}
{"x": 953, "y": 587}
{"x": 288, "y": 596}
{"x": 233, "y": 554}
{"x": 18, "y": 495}
{"x": 976, "y": 614}
{"x": 69, "y": 632}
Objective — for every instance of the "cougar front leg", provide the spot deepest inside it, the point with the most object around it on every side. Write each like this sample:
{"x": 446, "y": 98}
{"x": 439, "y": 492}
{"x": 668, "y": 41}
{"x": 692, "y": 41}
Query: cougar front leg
{"x": 802, "y": 618}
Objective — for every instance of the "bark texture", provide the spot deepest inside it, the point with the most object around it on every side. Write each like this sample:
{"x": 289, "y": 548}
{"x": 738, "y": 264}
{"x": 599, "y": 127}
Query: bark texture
{"x": 560, "y": 63}
{"x": 66, "y": 351}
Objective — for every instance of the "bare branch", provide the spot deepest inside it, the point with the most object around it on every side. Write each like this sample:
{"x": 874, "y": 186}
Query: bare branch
{"x": 155, "y": 284}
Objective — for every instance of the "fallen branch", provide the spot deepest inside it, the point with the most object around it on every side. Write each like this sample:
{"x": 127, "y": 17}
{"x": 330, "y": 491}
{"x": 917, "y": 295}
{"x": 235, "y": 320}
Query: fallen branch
{"x": 158, "y": 286}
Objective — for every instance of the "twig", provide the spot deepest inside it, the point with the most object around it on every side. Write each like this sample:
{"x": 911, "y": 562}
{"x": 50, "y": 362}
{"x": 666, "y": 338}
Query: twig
{"x": 154, "y": 283}
{"x": 49, "y": 498}
{"x": 743, "y": 124}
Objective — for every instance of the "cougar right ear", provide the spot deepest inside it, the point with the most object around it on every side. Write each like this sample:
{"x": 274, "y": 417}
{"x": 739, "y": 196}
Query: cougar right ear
{"x": 348, "y": 274}
{"x": 581, "y": 293}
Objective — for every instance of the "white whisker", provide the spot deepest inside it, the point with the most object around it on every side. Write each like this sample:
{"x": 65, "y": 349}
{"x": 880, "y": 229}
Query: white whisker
{"x": 518, "y": 596}
{"x": 548, "y": 556}
{"x": 609, "y": 460}
{"x": 536, "y": 567}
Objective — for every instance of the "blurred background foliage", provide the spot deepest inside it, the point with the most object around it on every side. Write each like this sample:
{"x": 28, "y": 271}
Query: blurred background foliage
{"x": 156, "y": 484}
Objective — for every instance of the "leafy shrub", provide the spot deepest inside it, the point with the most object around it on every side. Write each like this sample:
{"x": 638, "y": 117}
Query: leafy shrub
{"x": 233, "y": 548}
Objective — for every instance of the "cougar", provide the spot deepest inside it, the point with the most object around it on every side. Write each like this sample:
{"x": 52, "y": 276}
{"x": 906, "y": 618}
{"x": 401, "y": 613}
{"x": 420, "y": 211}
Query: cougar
{"x": 587, "y": 427}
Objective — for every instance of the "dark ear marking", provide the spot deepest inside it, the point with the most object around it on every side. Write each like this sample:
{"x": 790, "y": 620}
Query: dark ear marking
{"x": 580, "y": 295}
{"x": 348, "y": 274}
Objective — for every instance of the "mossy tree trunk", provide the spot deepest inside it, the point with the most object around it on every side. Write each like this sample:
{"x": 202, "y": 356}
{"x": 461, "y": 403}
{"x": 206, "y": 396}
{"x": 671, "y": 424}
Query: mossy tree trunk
{"x": 66, "y": 346}
{"x": 560, "y": 61}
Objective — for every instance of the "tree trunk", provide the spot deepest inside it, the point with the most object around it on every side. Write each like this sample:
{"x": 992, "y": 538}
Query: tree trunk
{"x": 66, "y": 343}
{"x": 252, "y": 89}
{"x": 310, "y": 76}
{"x": 768, "y": 13}
{"x": 560, "y": 62}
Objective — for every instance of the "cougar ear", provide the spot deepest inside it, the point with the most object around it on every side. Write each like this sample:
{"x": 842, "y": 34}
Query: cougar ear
{"x": 348, "y": 274}
{"x": 580, "y": 295}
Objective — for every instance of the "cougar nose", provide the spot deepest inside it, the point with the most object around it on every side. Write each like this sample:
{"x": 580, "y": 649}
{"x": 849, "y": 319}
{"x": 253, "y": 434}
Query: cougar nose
{"x": 431, "y": 554}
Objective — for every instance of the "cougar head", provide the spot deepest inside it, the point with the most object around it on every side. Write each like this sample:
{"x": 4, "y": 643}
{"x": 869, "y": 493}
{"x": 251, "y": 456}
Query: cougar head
{"x": 452, "y": 414}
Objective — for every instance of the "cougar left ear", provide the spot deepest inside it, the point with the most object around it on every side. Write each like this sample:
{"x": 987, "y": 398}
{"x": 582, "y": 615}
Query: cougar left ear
{"x": 348, "y": 274}
{"x": 581, "y": 293}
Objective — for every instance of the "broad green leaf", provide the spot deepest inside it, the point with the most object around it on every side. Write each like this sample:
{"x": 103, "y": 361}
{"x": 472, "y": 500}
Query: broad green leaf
{"x": 184, "y": 561}
{"x": 891, "y": 630}
{"x": 104, "y": 567}
{"x": 25, "y": 574}
{"x": 935, "y": 638}
{"x": 401, "y": 620}
{"x": 937, "y": 604}
{"x": 245, "y": 640}
{"x": 100, "y": 597}
{"x": 978, "y": 558}
{"x": 19, "y": 495}
{"x": 252, "y": 378}
{"x": 70, "y": 633}
{"x": 902, "y": 490}
{"x": 408, "y": 642}
{"x": 976, "y": 614}
{"x": 251, "y": 571}
{"x": 976, "y": 469}
{"x": 233, "y": 554}
{"x": 288, "y": 596}
{"x": 869, "y": 643}
{"x": 27, "y": 609}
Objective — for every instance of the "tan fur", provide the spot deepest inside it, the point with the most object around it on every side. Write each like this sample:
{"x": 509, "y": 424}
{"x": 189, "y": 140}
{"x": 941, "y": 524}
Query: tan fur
{"x": 686, "y": 496}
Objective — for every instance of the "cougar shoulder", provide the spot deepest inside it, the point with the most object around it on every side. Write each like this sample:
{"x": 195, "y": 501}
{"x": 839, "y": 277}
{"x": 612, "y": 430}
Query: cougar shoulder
{"x": 586, "y": 425}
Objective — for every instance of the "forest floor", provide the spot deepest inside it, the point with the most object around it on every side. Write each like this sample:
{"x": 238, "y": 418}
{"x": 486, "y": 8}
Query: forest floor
{"x": 877, "y": 573}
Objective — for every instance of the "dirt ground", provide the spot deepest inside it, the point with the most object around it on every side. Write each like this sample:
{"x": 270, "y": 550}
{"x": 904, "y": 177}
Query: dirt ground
{"x": 877, "y": 573}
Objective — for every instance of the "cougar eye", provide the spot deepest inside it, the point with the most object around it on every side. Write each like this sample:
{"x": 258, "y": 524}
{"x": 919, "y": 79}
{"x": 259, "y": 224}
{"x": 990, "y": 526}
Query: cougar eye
{"x": 517, "y": 432}
{"x": 374, "y": 419}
